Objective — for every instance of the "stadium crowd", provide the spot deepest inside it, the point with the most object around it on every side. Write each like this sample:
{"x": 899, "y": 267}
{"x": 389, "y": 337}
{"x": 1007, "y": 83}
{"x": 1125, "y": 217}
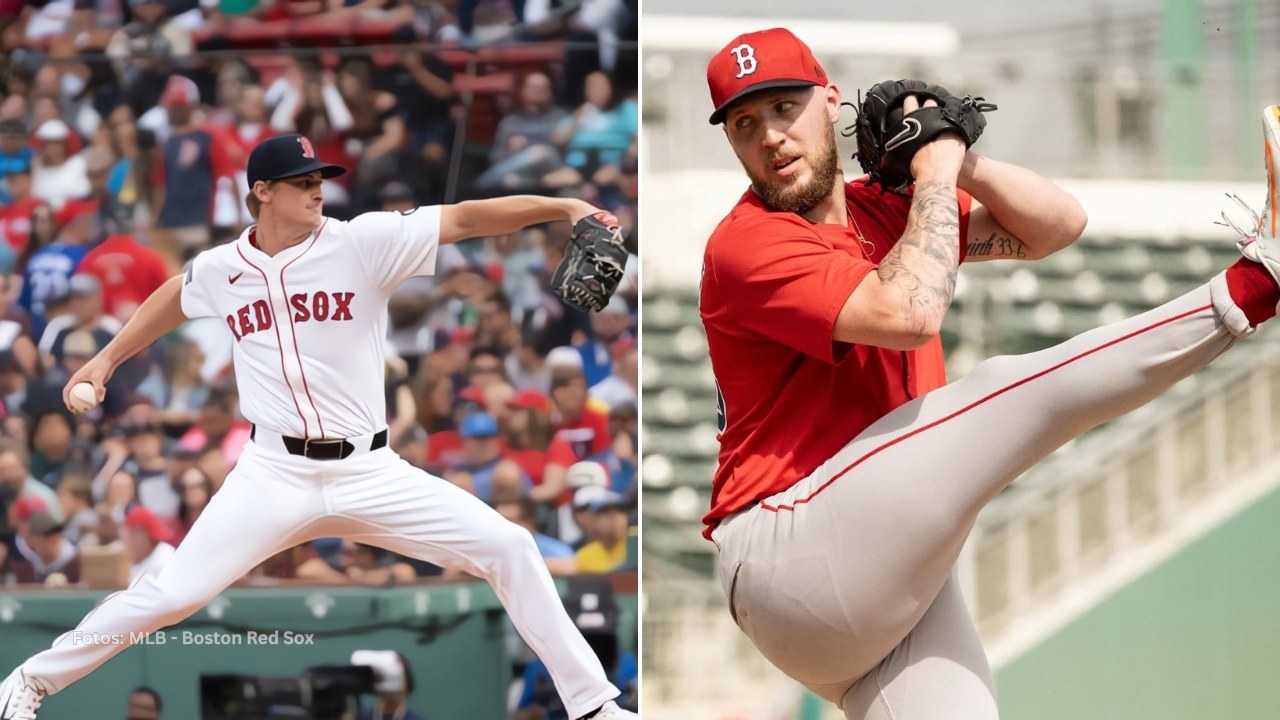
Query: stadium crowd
{"x": 124, "y": 129}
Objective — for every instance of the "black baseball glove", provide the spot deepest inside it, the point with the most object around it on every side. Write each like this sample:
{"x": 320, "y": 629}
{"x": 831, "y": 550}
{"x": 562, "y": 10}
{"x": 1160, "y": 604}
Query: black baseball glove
{"x": 887, "y": 141}
{"x": 593, "y": 263}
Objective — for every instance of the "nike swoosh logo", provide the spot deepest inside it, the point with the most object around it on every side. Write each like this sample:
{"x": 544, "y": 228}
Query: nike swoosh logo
{"x": 910, "y": 132}
{"x": 232, "y": 279}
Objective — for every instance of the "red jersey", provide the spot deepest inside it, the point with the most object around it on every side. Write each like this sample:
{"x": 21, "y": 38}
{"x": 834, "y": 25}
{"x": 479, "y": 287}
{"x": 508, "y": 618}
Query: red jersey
{"x": 587, "y": 435}
{"x": 236, "y": 147}
{"x": 790, "y": 396}
{"x": 15, "y": 222}
{"x": 128, "y": 272}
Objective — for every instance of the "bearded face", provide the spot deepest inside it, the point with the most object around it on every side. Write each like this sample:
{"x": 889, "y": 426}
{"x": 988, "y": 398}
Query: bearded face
{"x": 802, "y": 191}
{"x": 785, "y": 142}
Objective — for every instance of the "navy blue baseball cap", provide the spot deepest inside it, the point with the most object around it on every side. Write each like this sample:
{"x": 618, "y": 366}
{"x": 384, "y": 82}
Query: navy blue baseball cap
{"x": 287, "y": 156}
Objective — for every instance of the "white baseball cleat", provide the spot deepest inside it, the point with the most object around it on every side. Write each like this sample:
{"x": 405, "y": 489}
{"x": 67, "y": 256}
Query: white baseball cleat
{"x": 19, "y": 697}
{"x": 1262, "y": 243}
{"x": 611, "y": 711}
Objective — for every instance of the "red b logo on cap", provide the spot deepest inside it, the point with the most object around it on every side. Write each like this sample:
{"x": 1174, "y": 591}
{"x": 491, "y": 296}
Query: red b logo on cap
{"x": 746, "y": 57}
{"x": 307, "y": 151}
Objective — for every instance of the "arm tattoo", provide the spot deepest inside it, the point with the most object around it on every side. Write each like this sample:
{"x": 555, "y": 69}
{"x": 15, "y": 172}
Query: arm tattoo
{"x": 995, "y": 246}
{"x": 924, "y": 262}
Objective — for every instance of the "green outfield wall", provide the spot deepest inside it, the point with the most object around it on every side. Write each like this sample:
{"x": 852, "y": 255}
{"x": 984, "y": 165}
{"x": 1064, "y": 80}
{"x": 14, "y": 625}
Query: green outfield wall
{"x": 457, "y": 638}
{"x": 1195, "y": 638}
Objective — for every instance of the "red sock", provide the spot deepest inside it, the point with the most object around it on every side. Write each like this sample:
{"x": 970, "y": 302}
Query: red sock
{"x": 1253, "y": 290}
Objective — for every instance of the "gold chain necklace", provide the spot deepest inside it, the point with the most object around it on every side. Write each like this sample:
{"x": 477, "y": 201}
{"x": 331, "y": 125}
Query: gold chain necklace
{"x": 868, "y": 247}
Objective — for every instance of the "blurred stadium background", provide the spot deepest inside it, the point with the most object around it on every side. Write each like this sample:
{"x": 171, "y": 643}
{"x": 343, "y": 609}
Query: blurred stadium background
{"x": 1132, "y": 574}
{"x": 124, "y": 126}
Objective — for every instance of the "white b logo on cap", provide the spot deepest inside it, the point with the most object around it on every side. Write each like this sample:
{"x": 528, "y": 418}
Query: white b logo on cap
{"x": 746, "y": 57}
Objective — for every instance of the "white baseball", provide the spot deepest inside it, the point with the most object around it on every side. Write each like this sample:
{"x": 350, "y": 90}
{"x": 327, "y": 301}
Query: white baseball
{"x": 83, "y": 397}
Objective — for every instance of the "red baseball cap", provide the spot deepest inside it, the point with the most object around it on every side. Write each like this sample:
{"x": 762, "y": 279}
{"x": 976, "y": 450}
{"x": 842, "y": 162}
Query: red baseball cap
{"x": 530, "y": 400}
{"x": 471, "y": 393}
{"x": 140, "y": 518}
{"x": 180, "y": 91}
{"x": 74, "y": 209}
{"x": 27, "y": 506}
{"x": 761, "y": 60}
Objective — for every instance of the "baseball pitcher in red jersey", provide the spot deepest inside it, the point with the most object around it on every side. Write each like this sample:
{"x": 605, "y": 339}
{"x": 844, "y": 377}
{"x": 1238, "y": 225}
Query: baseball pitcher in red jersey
{"x": 850, "y": 472}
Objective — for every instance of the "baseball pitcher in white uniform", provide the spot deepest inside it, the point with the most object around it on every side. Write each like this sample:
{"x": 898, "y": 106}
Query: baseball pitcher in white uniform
{"x": 304, "y": 298}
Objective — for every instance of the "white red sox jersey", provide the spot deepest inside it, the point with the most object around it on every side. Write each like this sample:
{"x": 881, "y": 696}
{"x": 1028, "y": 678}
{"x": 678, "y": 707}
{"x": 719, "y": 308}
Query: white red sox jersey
{"x": 309, "y": 324}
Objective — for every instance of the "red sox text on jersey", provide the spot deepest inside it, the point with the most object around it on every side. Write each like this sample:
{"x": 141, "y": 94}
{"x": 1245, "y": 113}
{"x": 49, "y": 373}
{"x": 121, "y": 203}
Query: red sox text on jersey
{"x": 320, "y": 307}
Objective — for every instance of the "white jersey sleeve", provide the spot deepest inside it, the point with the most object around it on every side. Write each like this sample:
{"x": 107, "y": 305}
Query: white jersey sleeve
{"x": 195, "y": 299}
{"x": 397, "y": 245}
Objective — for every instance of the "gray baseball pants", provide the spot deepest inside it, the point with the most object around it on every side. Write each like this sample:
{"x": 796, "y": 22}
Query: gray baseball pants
{"x": 845, "y": 581}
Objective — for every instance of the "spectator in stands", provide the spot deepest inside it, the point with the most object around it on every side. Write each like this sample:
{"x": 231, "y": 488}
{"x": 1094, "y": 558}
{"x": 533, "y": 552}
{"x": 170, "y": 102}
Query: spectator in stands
{"x": 497, "y": 329}
{"x": 607, "y": 549}
{"x": 484, "y": 367}
{"x": 376, "y": 124}
{"x": 424, "y": 85}
{"x": 526, "y": 366}
{"x": 195, "y": 490}
{"x": 608, "y": 327}
{"x": 176, "y": 387}
{"x": 584, "y": 480}
{"x": 147, "y": 537}
{"x": 619, "y": 462}
{"x": 47, "y": 275}
{"x": 141, "y": 51}
{"x": 44, "y": 392}
{"x": 606, "y": 19}
{"x": 559, "y": 556}
{"x": 53, "y": 447}
{"x": 248, "y": 127}
{"x": 121, "y": 493}
{"x": 127, "y": 273}
{"x": 603, "y": 130}
{"x": 57, "y": 176}
{"x": 149, "y": 466}
{"x": 122, "y": 139}
{"x": 144, "y": 704}
{"x": 99, "y": 162}
{"x": 483, "y": 469}
{"x": 44, "y": 230}
{"x": 16, "y": 214}
{"x": 527, "y": 147}
{"x": 75, "y": 498}
{"x": 15, "y": 152}
{"x": 64, "y": 79}
{"x": 43, "y": 551}
{"x": 434, "y": 392}
{"x": 16, "y": 481}
{"x": 584, "y": 426}
{"x": 84, "y": 313}
{"x": 467, "y": 19}
{"x": 528, "y": 431}
{"x": 182, "y": 225}
{"x": 622, "y": 387}
{"x": 358, "y": 565}
{"x": 520, "y": 255}
{"x": 218, "y": 428}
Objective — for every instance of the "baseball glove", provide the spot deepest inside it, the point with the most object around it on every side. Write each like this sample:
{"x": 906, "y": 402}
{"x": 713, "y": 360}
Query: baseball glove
{"x": 887, "y": 141}
{"x": 593, "y": 263}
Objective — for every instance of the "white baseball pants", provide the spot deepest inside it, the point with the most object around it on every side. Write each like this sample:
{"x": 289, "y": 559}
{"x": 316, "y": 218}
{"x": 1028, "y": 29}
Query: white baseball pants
{"x": 272, "y": 501}
{"x": 844, "y": 580}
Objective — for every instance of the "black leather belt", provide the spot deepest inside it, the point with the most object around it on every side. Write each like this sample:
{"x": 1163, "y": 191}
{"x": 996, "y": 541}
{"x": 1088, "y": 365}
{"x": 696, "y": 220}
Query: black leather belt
{"x": 329, "y": 449}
